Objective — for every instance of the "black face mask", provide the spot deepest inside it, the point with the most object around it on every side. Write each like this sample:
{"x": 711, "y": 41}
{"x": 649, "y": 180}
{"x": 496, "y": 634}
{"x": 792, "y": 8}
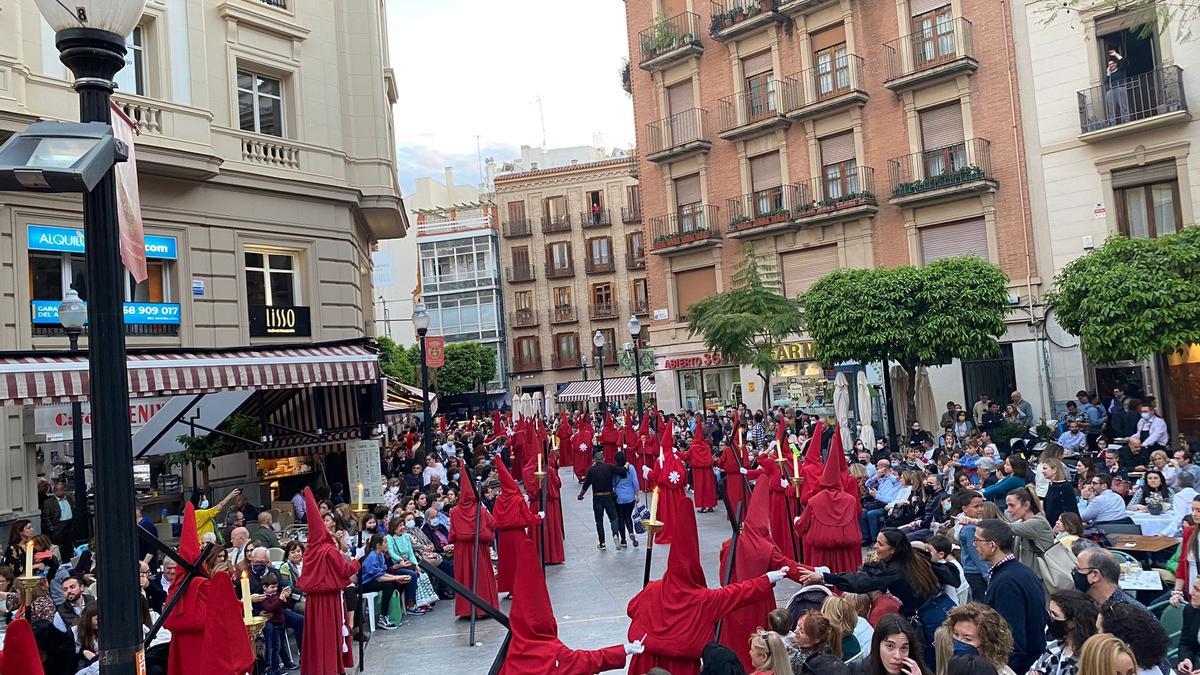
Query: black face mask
{"x": 1082, "y": 584}
{"x": 1057, "y": 629}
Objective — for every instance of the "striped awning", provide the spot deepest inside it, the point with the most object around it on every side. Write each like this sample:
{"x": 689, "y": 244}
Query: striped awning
{"x": 63, "y": 378}
{"x": 581, "y": 390}
{"x": 614, "y": 388}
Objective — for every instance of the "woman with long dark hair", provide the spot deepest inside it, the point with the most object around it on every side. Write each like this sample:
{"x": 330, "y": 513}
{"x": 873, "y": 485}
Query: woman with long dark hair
{"x": 14, "y": 556}
{"x": 1153, "y": 483}
{"x": 896, "y": 649}
{"x": 1072, "y": 622}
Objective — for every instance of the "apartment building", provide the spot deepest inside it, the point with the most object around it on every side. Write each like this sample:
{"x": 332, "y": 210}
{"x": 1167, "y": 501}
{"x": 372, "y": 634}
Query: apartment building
{"x": 266, "y": 172}
{"x": 1108, "y": 149}
{"x": 575, "y": 263}
{"x": 824, "y": 134}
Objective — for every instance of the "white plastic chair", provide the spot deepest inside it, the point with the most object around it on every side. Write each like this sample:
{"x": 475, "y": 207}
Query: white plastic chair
{"x": 276, "y": 554}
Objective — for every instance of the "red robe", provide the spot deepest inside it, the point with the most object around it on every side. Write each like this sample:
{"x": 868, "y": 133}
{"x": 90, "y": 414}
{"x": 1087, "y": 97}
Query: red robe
{"x": 781, "y": 511}
{"x": 678, "y": 614}
{"x": 326, "y": 574}
{"x": 610, "y": 438}
{"x": 535, "y": 648}
{"x": 462, "y": 533}
{"x": 630, "y": 443}
{"x": 227, "y": 649}
{"x": 829, "y": 524}
{"x": 704, "y": 483}
{"x": 669, "y": 478}
{"x": 190, "y": 616}
{"x": 811, "y": 471}
{"x": 581, "y": 450}
{"x": 512, "y": 516}
{"x": 735, "y": 484}
{"x": 553, "y": 534}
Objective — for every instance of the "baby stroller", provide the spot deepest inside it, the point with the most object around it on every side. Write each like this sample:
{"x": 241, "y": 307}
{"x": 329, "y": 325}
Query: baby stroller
{"x": 806, "y": 599}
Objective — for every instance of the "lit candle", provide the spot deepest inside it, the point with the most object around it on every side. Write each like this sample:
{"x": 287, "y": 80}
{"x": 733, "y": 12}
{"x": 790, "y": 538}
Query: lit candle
{"x": 247, "y": 613}
{"x": 654, "y": 505}
{"x": 539, "y": 462}
{"x": 29, "y": 558}
{"x": 795, "y": 464}
{"x": 360, "y": 496}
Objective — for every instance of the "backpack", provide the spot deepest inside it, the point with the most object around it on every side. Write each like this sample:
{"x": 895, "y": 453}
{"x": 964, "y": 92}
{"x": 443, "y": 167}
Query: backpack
{"x": 1053, "y": 566}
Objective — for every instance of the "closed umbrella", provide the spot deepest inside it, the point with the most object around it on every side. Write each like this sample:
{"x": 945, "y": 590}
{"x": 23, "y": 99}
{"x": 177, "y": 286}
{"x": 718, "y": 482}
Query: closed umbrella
{"x": 926, "y": 407}
{"x": 841, "y": 408}
{"x": 900, "y": 395}
{"x": 867, "y": 435}
{"x": 526, "y": 405}
{"x": 538, "y": 404}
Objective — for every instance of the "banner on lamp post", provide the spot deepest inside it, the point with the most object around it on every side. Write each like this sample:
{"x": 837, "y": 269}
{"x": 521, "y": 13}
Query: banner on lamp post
{"x": 129, "y": 203}
{"x": 435, "y": 351}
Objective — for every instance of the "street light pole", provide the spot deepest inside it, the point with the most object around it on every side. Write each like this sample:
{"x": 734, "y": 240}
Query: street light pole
{"x": 598, "y": 340}
{"x": 635, "y": 331}
{"x": 583, "y": 361}
{"x": 420, "y": 319}
{"x": 72, "y": 314}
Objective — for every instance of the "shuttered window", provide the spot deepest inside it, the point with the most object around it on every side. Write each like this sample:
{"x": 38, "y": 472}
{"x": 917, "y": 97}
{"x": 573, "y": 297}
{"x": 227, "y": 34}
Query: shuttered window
{"x": 837, "y": 149}
{"x": 1151, "y": 173}
{"x": 566, "y": 348}
{"x": 692, "y": 286}
{"x": 968, "y": 237}
{"x": 801, "y": 269}
{"x": 520, "y": 257}
{"x": 516, "y": 211}
{"x": 559, "y": 255}
{"x": 757, "y": 64}
{"x": 562, "y": 296}
{"x": 920, "y": 7}
{"x": 765, "y": 172}
{"x": 679, "y": 98}
{"x": 941, "y": 126}
{"x": 528, "y": 351}
{"x": 828, "y": 38}
{"x": 687, "y": 190}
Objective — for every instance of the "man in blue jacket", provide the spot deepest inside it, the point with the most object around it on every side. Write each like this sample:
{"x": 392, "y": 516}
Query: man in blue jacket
{"x": 1014, "y": 591}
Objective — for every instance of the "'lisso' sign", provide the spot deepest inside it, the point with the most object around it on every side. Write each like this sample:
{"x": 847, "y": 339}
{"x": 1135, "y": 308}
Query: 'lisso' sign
{"x": 279, "y": 321}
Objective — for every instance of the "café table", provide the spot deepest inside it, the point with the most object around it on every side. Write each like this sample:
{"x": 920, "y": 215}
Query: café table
{"x": 1152, "y": 524}
{"x": 1141, "y": 580}
{"x": 1140, "y": 543}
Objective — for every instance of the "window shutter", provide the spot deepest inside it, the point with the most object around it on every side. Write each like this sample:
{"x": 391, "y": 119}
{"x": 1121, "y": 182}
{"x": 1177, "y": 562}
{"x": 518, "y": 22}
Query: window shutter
{"x": 687, "y": 190}
{"x": 765, "y": 172}
{"x": 968, "y": 237}
{"x": 520, "y": 257}
{"x": 516, "y": 211}
{"x": 757, "y": 64}
{"x": 920, "y": 7}
{"x": 692, "y": 286}
{"x": 837, "y": 149}
{"x": 941, "y": 126}
{"x": 679, "y": 98}
{"x": 828, "y": 37}
{"x": 802, "y": 268}
{"x": 1143, "y": 175}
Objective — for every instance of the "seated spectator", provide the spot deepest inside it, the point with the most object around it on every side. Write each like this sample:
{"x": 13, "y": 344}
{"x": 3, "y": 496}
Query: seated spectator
{"x": 87, "y": 636}
{"x": 1015, "y": 471}
{"x": 1099, "y": 571}
{"x": 1142, "y": 632}
{"x": 67, "y": 614}
{"x": 264, "y": 531}
{"x": 1072, "y": 622}
{"x": 768, "y": 653}
{"x": 1189, "y": 636}
{"x": 161, "y": 583}
{"x": 289, "y": 573}
{"x": 941, "y": 551}
{"x": 1103, "y": 505}
{"x": 817, "y": 647}
{"x": 404, "y": 562}
{"x": 1073, "y": 439}
{"x": 1154, "y": 486}
{"x": 896, "y": 649}
{"x": 376, "y": 578}
{"x": 1068, "y": 528}
{"x": 1135, "y": 456}
{"x": 1112, "y": 463}
{"x": 239, "y": 549}
{"x": 844, "y": 618}
{"x": 985, "y": 473}
{"x": 979, "y": 629}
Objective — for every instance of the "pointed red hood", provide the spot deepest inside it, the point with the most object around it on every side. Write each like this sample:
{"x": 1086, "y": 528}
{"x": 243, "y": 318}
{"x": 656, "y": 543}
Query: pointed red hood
{"x": 684, "y": 571}
{"x": 564, "y": 428}
{"x": 189, "y": 543}
{"x": 736, "y": 443}
{"x": 497, "y": 423}
{"x": 757, "y": 520}
{"x": 20, "y": 656}
{"x": 509, "y": 508}
{"x": 666, "y": 441}
{"x": 531, "y": 618}
{"x": 781, "y": 436}
{"x": 226, "y": 645}
{"x": 814, "y": 444}
{"x": 835, "y": 465}
{"x": 608, "y": 420}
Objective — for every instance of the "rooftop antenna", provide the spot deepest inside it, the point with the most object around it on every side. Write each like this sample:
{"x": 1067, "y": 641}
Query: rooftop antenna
{"x": 483, "y": 187}
{"x": 542, "y": 117}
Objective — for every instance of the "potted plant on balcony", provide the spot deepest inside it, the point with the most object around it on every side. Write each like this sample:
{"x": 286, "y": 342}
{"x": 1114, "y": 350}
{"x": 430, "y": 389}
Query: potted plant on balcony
{"x": 740, "y": 222}
{"x": 766, "y": 5}
{"x": 739, "y": 15}
{"x": 779, "y": 215}
{"x": 752, "y": 11}
{"x": 718, "y": 22}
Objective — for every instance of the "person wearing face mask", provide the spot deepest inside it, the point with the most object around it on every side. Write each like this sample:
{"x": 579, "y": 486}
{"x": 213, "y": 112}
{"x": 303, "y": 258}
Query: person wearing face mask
{"x": 1014, "y": 591}
{"x": 980, "y": 630}
{"x": 918, "y": 435}
{"x": 1072, "y": 622}
{"x": 1098, "y": 573}
{"x": 936, "y": 501}
{"x": 1151, "y": 430}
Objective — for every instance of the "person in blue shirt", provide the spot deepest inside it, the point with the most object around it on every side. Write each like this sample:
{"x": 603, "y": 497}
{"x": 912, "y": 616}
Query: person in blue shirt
{"x": 1073, "y": 439}
{"x": 376, "y": 578}
{"x": 975, "y": 569}
{"x": 1016, "y": 474}
{"x": 1104, "y": 505}
{"x": 884, "y": 487}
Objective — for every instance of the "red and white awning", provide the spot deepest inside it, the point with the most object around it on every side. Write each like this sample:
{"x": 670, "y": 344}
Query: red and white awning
{"x": 63, "y": 378}
{"x": 614, "y": 388}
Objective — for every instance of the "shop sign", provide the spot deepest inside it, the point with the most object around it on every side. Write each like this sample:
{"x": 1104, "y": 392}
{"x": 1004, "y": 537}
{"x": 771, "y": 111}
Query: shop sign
{"x": 70, "y": 240}
{"x": 158, "y": 313}
{"x": 795, "y": 351}
{"x": 55, "y": 422}
{"x": 705, "y": 360}
{"x": 279, "y": 321}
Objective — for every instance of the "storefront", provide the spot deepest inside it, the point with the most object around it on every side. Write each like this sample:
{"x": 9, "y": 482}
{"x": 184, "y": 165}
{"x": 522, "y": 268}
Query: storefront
{"x": 703, "y": 381}
{"x": 801, "y": 382}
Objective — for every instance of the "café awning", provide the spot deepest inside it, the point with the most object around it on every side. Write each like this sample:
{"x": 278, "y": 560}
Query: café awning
{"x": 614, "y": 388}
{"x": 62, "y": 377}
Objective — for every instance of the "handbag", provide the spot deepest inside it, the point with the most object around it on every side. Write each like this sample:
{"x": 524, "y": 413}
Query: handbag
{"x": 1053, "y": 566}
{"x": 640, "y": 513}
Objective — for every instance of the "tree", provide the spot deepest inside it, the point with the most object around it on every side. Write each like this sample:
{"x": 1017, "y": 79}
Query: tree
{"x": 1132, "y": 298}
{"x": 952, "y": 308}
{"x": 747, "y": 322}
{"x": 399, "y": 362}
{"x": 200, "y": 451}
{"x": 1147, "y": 15}
{"x": 469, "y": 366}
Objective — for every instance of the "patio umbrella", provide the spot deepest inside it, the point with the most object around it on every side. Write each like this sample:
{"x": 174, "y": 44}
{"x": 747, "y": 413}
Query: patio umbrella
{"x": 527, "y": 405}
{"x": 926, "y": 407}
{"x": 539, "y": 405}
{"x": 841, "y": 407}
{"x": 900, "y": 396}
{"x": 867, "y": 435}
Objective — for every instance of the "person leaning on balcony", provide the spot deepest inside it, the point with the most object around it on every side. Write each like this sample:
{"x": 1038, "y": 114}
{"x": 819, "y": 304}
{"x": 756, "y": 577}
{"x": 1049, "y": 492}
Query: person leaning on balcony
{"x": 1115, "y": 93}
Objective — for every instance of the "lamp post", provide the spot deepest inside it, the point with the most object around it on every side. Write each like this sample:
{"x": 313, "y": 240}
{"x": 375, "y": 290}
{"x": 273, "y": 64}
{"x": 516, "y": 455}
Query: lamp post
{"x": 635, "y": 331}
{"x": 90, "y": 36}
{"x": 583, "y": 362}
{"x": 598, "y": 340}
{"x": 72, "y": 314}
{"x": 420, "y": 319}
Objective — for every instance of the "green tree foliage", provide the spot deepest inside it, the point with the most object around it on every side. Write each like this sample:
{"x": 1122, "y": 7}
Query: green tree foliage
{"x": 1150, "y": 16}
{"x": 1132, "y": 298}
{"x": 745, "y": 323}
{"x": 469, "y": 366}
{"x": 952, "y": 308}
{"x": 200, "y": 451}
{"x": 399, "y": 362}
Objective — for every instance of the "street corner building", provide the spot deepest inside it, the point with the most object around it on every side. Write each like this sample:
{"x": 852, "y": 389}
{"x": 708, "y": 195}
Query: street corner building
{"x": 266, "y": 172}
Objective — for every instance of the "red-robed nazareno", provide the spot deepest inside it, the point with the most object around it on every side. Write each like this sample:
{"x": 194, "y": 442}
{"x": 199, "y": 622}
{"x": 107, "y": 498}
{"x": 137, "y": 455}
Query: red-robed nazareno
{"x": 610, "y": 438}
{"x": 581, "y": 449}
{"x": 188, "y": 619}
{"x": 735, "y": 483}
{"x": 552, "y": 536}
{"x": 813, "y": 466}
{"x": 704, "y": 483}
{"x": 668, "y": 476}
{"x": 513, "y": 517}
{"x": 21, "y": 655}
{"x": 462, "y": 533}
{"x": 535, "y": 648}
{"x": 773, "y": 482}
{"x": 227, "y": 648}
{"x": 756, "y": 555}
{"x": 678, "y": 614}
{"x": 631, "y": 443}
{"x": 829, "y": 524}
{"x": 326, "y": 574}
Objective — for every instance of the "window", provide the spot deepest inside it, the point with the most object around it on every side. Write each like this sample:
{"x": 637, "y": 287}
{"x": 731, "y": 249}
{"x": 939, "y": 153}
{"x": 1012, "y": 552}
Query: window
{"x": 831, "y": 59}
{"x": 839, "y": 168}
{"x": 458, "y": 264}
{"x": 271, "y": 279}
{"x": 523, "y": 301}
{"x": 687, "y": 200}
{"x": 633, "y": 199}
{"x": 633, "y": 242}
{"x": 1148, "y": 203}
{"x": 554, "y": 209}
{"x": 520, "y": 258}
{"x": 566, "y": 348}
{"x": 595, "y": 198}
{"x": 562, "y": 296}
{"x": 558, "y": 256}
{"x": 57, "y": 263}
{"x": 132, "y": 78}
{"x": 942, "y": 139}
{"x": 611, "y": 346}
{"x": 692, "y": 286}
{"x": 602, "y": 295}
{"x": 801, "y": 269}
{"x": 766, "y": 178}
{"x": 933, "y": 36}
{"x": 527, "y": 351}
{"x": 757, "y": 86}
{"x": 600, "y": 250}
{"x": 516, "y": 211}
{"x": 464, "y": 316}
{"x": 260, "y": 103}
{"x": 640, "y": 293}
{"x": 968, "y": 237}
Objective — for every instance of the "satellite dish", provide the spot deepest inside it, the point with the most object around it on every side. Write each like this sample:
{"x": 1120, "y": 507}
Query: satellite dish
{"x": 1057, "y": 334}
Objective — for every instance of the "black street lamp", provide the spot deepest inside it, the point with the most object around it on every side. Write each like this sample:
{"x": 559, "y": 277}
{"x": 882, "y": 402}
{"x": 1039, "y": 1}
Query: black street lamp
{"x": 90, "y": 36}
{"x": 598, "y": 340}
{"x": 635, "y": 331}
{"x": 583, "y": 362}
{"x": 72, "y": 314}
{"x": 420, "y": 319}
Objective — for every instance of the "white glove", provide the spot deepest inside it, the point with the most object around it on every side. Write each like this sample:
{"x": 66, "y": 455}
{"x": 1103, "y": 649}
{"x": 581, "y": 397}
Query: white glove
{"x": 634, "y": 647}
{"x": 645, "y": 472}
{"x": 542, "y": 515}
{"x": 795, "y": 521}
{"x": 743, "y": 471}
{"x": 783, "y": 483}
{"x": 777, "y": 575}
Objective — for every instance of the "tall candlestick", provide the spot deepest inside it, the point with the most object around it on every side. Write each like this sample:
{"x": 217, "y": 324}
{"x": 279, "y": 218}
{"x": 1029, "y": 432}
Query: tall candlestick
{"x": 795, "y": 464}
{"x": 247, "y": 613}
{"x": 29, "y": 558}
{"x": 654, "y": 505}
{"x": 539, "y": 462}
{"x": 360, "y": 496}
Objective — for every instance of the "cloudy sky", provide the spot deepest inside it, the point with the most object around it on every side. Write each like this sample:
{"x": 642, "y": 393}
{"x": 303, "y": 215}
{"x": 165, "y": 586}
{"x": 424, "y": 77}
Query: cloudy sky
{"x": 474, "y": 68}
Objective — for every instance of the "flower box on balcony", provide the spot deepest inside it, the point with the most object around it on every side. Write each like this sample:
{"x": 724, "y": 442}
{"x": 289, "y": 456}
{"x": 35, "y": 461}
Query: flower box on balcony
{"x": 741, "y": 222}
{"x": 944, "y": 179}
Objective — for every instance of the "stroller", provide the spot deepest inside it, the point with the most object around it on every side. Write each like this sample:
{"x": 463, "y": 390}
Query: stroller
{"x": 808, "y": 598}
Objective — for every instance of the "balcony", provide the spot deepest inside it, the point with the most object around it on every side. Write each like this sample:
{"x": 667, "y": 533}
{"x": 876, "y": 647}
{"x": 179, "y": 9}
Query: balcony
{"x": 670, "y": 41}
{"x": 532, "y": 365}
{"x": 564, "y": 361}
{"x": 929, "y": 56}
{"x": 629, "y": 216}
{"x": 131, "y": 330}
{"x": 599, "y": 265}
{"x": 639, "y": 307}
{"x": 942, "y": 174}
{"x": 519, "y": 274}
{"x": 520, "y": 227}
{"x": 747, "y": 114}
{"x": 635, "y": 261}
{"x": 832, "y": 199}
{"x": 556, "y": 223}
{"x": 603, "y": 310}
{"x": 563, "y": 314}
{"x": 677, "y": 136}
{"x": 734, "y": 18}
{"x": 594, "y": 219}
{"x": 761, "y": 213}
{"x": 827, "y": 88}
{"x": 793, "y": 8}
{"x": 685, "y": 230}
{"x": 560, "y": 271}
{"x": 523, "y": 318}
{"x": 281, "y": 4}
{"x": 1133, "y": 105}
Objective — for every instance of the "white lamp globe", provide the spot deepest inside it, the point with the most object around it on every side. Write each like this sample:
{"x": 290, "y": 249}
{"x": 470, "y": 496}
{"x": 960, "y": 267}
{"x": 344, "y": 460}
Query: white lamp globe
{"x": 115, "y": 16}
{"x": 72, "y": 313}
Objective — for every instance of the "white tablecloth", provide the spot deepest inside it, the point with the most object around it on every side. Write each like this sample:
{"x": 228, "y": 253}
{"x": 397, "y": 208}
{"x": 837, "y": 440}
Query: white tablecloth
{"x": 1145, "y": 580}
{"x": 1152, "y": 525}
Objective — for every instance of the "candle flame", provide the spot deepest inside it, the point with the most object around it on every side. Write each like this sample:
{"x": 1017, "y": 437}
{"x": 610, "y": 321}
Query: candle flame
{"x": 655, "y": 489}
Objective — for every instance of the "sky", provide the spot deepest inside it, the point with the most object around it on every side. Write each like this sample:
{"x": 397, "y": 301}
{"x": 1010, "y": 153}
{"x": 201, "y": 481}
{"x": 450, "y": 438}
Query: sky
{"x": 471, "y": 71}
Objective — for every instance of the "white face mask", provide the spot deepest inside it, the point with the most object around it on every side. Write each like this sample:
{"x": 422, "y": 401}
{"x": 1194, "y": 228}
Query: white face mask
{"x": 204, "y": 503}
{"x": 410, "y": 524}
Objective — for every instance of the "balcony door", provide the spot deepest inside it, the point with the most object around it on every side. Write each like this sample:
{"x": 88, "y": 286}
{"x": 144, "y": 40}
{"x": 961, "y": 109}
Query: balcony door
{"x": 520, "y": 261}
{"x": 683, "y": 126}
{"x": 832, "y": 62}
{"x": 756, "y": 88}
{"x": 1134, "y": 84}
{"x": 933, "y": 33}
{"x": 766, "y": 177}
{"x": 839, "y": 169}
{"x": 688, "y": 203}
{"x": 942, "y": 140}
